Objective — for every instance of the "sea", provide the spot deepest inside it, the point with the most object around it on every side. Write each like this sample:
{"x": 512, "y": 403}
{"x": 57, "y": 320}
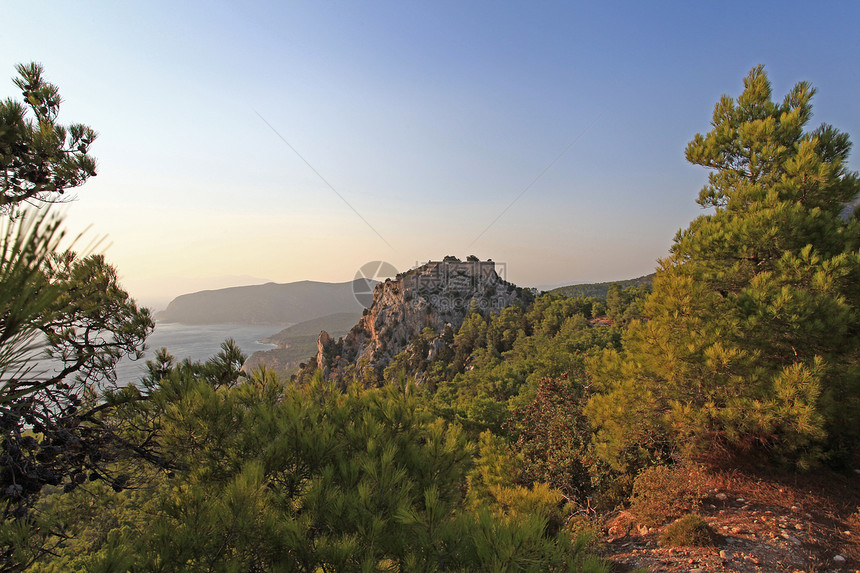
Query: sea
{"x": 196, "y": 342}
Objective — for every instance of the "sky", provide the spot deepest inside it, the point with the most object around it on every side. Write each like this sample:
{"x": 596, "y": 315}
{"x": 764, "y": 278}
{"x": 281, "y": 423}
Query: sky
{"x": 286, "y": 141}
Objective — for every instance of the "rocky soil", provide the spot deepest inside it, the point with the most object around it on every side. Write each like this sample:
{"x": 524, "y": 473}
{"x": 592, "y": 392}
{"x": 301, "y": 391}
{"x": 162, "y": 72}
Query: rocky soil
{"x": 766, "y": 523}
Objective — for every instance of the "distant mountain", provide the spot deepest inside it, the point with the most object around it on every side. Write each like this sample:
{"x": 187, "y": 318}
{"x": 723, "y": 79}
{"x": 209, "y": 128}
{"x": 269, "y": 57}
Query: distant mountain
{"x": 157, "y": 292}
{"x": 270, "y": 303}
{"x": 295, "y": 344}
{"x": 600, "y": 289}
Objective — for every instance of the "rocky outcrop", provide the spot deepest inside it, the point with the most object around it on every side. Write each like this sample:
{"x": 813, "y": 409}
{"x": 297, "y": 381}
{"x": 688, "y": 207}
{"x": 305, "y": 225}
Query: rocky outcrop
{"x": 324, "y": 344}
{"x": 435, "y": 295}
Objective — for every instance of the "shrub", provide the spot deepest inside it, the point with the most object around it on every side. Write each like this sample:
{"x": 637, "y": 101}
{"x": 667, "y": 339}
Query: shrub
{"x": 613, "y": 491}
{"x": 540, "y": 499}
{"x": 661, "y": 493}
{"x": 690, "y": 530}
{"x": 552, "y": 436}
{"x": 585, "y": 530}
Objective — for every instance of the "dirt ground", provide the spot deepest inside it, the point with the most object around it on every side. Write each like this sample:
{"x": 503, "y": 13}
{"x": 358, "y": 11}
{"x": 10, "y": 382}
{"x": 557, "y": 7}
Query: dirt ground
{"x": 776, "y": 522}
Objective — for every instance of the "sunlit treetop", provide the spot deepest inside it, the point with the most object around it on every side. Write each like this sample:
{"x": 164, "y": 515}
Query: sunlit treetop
{"x": 40, "y": 158}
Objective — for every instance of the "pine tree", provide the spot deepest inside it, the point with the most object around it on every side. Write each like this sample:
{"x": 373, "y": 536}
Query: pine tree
{"x": 751, "y": 341}
{"x": 69, "y": 307}
{"x": 40, "y": 159}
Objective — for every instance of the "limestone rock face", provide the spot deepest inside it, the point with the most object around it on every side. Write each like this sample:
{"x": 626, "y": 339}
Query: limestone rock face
{"x": 324, "y": 345}
{"x": 434, "y": 295}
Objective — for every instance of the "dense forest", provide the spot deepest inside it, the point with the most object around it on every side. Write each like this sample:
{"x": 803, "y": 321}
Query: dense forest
{"x": 495, "y": 451}
{"x": 601, "y": 290}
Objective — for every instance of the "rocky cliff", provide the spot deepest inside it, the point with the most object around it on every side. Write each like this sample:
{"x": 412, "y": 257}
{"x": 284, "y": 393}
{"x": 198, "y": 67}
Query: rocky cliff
{"x": 435, "y": 295}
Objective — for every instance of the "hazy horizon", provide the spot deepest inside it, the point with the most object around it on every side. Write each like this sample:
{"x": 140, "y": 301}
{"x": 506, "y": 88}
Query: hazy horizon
{"x": 168, "y": 288}
{"x": 299, "y": 141}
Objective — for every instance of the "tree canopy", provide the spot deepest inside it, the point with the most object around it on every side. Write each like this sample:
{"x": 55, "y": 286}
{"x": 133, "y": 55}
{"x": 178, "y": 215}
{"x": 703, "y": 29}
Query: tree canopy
{"x": 40, "y": 158}
{"x": 65, "y": 320}
{"x": 751, "y": 336}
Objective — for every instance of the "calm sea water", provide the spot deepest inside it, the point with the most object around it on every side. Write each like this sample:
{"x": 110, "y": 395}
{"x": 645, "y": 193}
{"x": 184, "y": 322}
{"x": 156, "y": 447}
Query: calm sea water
{"x": 197, "y": 342}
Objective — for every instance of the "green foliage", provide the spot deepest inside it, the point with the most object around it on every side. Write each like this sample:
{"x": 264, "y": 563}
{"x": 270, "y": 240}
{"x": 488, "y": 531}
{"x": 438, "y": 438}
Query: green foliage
{"x": 661, "y": 493}
{"x": 627, "y": 305}
{"x": 689, "y": 530}
{"x": 751, "y": 342}
{"x": 280, "y": 478}
{"x": 552, "y": 437}
{"x": 94, "y": 322}
{"x": 540, "y": 499}
{"x": 583, "y": 527}
{"x": 72, "y": 310}
{"x": 26, "y": 247}
{"x": 493, "y": 483}
{"x": 495, "y": 466}
{"x": 88, "y": 529}
{"x": 499, "y": 360}
{"x": 492, "y": 544}
{"x": 58, "y": 306}
{"x": 601, "y": 290}
{"x": 612, "y": 489}
{"x": 40, "y": 159}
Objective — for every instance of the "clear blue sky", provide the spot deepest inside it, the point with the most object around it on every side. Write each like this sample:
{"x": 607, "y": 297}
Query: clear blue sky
{"x": 429, "y": 118}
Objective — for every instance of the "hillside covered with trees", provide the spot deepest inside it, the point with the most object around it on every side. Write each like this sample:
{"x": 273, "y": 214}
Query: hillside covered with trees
{"x": 601, "y": 290}
{"x": 528, "y": 437}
